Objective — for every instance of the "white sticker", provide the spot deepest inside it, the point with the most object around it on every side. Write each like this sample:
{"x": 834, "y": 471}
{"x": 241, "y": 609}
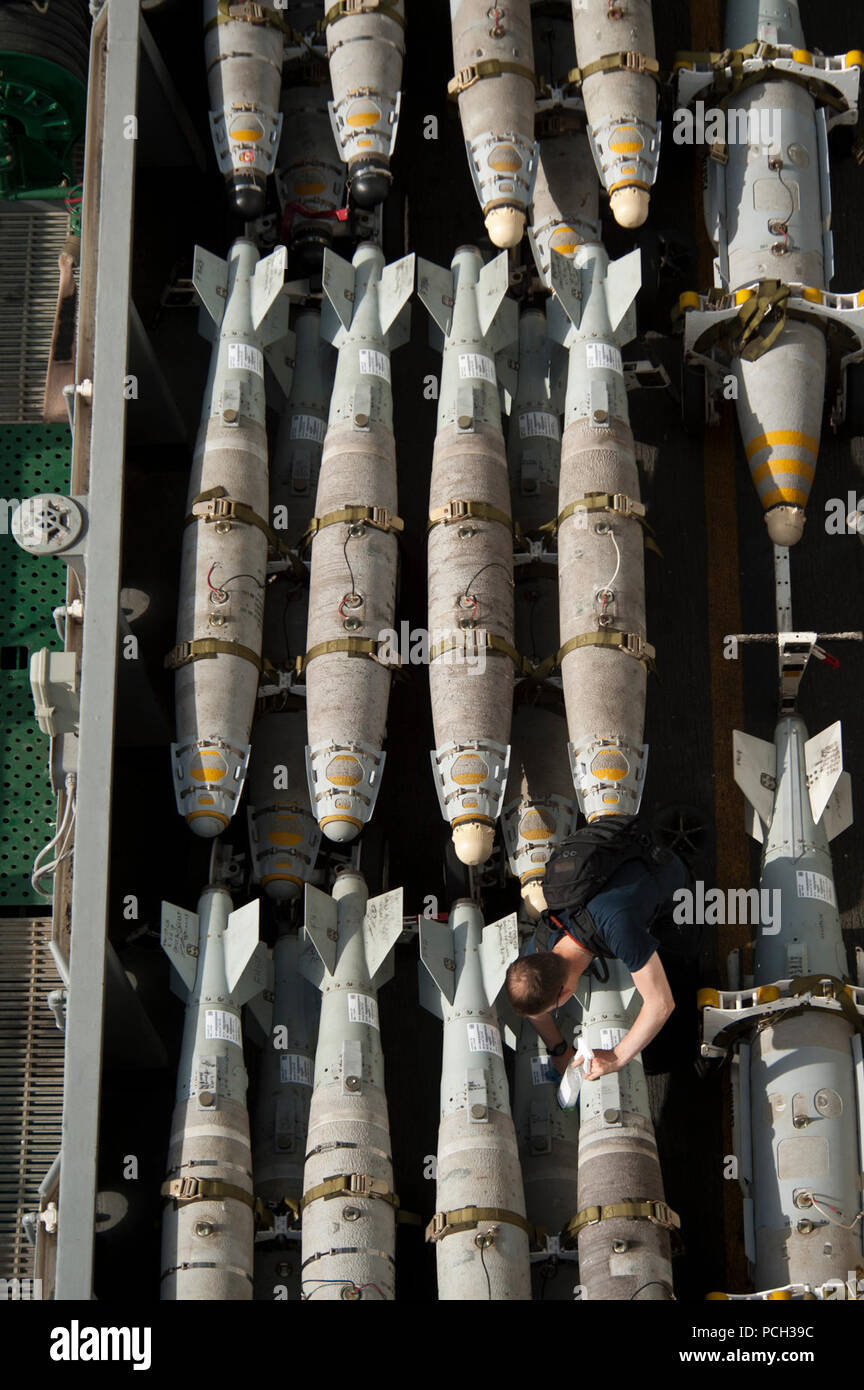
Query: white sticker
{"x": 362, "y": 1008}
{"x": 483, "y": 1038}
{"x": 610, "y": 1037}
{"x": 603, "y": 355}
{"x": 813, "y": 885}
{"x": 374, "y": 363}
{"x": 219, "y": 1024}
{"x": 538, "y": 423}
{"x": 474, "y": 364}
{"x": 247, "y": 357}
{"x": 308, "y": 427}
{"x": 293, "y": 1066}
{"x": 539, "y": 1067}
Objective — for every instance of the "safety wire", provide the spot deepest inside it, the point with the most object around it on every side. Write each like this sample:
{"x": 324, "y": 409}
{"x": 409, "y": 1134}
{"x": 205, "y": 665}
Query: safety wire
{"x": 346, "y": 1283}
{"x": 826, "y": 1212}
{"x": 490, "y": 565}
{"x": 485, "y": 1270}
{"x": 606, "y": 588}
{"x": 352, "y": 592}
{"x": 60, "y": 839}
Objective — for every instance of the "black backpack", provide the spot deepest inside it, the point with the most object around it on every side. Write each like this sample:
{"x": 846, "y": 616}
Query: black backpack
{"x": 584, "y": 863}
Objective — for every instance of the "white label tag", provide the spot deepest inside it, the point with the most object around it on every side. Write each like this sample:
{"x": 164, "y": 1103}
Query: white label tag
{"x": 293, "y": 1066}
{"x": 308, "y": 427}
{"x": 374, "y": 363}
{"x": 219, "y": 1024}
{"x": 362, "y": 1008}
{"x": 603, "y": 355}
{"x": 539, "y": 1067}
{"x": 813, "y": 885}
{"x": 249, "y": 358}
{"x": 610, "y": 1037}
{"x": 483, "y": 1038}
{"x": 538, "y": 423}
{"x": 474, "y": 364}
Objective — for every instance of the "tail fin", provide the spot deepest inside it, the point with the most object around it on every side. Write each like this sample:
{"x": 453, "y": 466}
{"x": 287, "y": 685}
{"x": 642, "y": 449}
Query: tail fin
{"x": 382, "y": 927}
{"x": 623, "y": 281}
{"x": 755, "y": 770}
{"x": 337, "y": 282}
{"x": 437, "y": 954}
{"x": 435, "y": 291}
{"x": 267, "y": 283}
{"x": 394, "y": 290}
{"x": 321, "y": 922}
{"x": 499, "y": 947}
{"x": 566, "y": 280}
{"x": 210, "y": 278}
{"x": 823, "y": 762}
{"x": 246, "y": 968}
{"x": 179, "y": 937}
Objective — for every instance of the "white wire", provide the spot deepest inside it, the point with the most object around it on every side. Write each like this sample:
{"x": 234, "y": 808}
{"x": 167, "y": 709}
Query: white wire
{"x": 61, "y": 838}
{"x": 833, "y": 1219}
{"x": 611, "y": 535}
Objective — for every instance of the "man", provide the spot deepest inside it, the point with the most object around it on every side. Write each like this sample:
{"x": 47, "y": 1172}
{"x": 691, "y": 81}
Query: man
{"x": 616, "y": 922}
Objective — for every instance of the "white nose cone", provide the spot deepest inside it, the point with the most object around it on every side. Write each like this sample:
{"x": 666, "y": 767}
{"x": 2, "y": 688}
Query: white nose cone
{"x": 340, "y": 829}
{"x": 473, "y": 842}
{"x": 785, "y": 524}
{"x": 534, "y": 898}
{"x": 505, "y": 227}
{"x": 629, "y": 206}
{"x": 204, "y": 825}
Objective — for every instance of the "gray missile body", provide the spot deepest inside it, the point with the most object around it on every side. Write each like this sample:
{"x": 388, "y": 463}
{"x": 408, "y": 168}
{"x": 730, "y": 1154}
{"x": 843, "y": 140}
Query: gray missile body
{"x": 366, "y": 45}
{"x": 208, "y": 1225}
{"x": 470, "y": 556}
{"x": 494, "y": 63}
{"x": 618, "y": 72}
{"x": 768, "y": 213}
{"x": 243, "y": 53}
{"x": 281, "y": 1120}
{"x": 349, "y": 1216}
{"x": 604, "y": 656}
{"x": 539, "y": 806}
{"x": 623, "y": 1224}
{"x": 284, "y": 834}
{"x": 310, "y": 175}
{"x": 352, "y": 592}
{"x": 479, "y": 1230}
{"x": 220, "y": 612}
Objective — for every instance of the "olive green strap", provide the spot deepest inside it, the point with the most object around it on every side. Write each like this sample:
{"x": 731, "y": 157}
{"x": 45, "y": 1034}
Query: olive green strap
{"x": 617, "y": 502}
{"x": 658, "y": 1213}
{"x": 350, "y": 1185}
{"x": 224, "y": 508}
{"x": 204, "y": 647}
{"x": 613, "y": 62}
{"x": 734, "y": 58}
{"x": 203, "y": 1190}
{"x": 448, "y": 1223}
{"x": 487, "y": 67}
{"x": 353, "y": 646}
{"x": 490, "y": 642}
{"x": 629, "y": 642}
{"x": 248, "y": 12}
{"x": 379, "y": 517}
{"x": 345, "y": 9}
{"x": 460, "y": 508}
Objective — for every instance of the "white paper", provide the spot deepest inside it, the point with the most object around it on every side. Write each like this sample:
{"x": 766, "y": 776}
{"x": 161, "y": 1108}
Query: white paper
{"x": 813, "y": 885}
{"x": 308, "y": 427}
{"x": 220, "y": 1024}
{"x": 603, "y": 355}
{"x": 537, "y": 424}
{"x": 610, "y": 1037}
{"x": 483, "y": 1038}
{"x": 539, "y": 1067}
{"x": 247, "y": 357}
{"x": 374, "y": 363}
{"x": 474, "y": 364}
{"x": 362, "y": 1008}
{"x": 293, "y": 1066}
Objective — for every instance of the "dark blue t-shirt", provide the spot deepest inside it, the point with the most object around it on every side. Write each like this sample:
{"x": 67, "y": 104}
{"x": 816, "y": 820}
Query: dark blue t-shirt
{"x": 622, "y": 912}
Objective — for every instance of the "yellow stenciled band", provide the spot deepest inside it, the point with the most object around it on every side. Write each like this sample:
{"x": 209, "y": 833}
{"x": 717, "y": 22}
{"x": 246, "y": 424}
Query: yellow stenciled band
{"x": 774, "y": 437}
{"x": 773, "y": 467}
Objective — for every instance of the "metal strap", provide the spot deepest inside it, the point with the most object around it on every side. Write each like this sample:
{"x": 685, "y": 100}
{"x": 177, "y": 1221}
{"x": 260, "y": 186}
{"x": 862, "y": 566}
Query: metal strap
{"x": 350, "y": 1185}
{"x": 629, "y": 642}
{"x": 612, "y": 62}
{"x": 344, "y": 9}
{"x": 658, "y": 1213}
{"x": 205, "y": 647}
{"x": 354, "y": 646}
{"x": 488, "y": 67}
{"x": 460, "y": 508}
{"x": 379, "y": 517}
{"x": 204, "y": 1190}
{"x": 491, "y": 643}
{"x": 448, "y": 1223}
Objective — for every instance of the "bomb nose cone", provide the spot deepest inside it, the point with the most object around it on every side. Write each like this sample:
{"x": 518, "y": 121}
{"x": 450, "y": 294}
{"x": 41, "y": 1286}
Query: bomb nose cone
{"x": 248, "y": 195}
{"x": 340, "y": 829}
{"x": 309, "y": 253}
{"x": 473, "y": 842}
{"x": 281, "y": 890}
{"x": 534, "y": 898}
{"x": 505, "y": 227}
{"x": 785, "y": 524}
{"x": 370, "y": 184}
{"x": 200, "y": 823}
{"x": 629, "y": 206}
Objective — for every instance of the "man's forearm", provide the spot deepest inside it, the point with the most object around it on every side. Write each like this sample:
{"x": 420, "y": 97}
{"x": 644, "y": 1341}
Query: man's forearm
{"x": 548, "y": 1029}
{"x": 647, "y": 1025}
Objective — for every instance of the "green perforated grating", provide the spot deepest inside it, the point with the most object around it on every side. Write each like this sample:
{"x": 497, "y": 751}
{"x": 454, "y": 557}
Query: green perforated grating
{"x": 33, "y": 458}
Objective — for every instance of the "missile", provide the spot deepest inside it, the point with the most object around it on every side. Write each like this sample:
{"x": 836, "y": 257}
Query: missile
{"x": 479, "y": 1230}
{"x": 539, "y": 806}
{"x": 349, "y": 1207}
{"x": 795, "y": 1033}
{"x": 768, "y": 213}
{"x": 494, "y": 81}
{"x": 548, "y": 1140}
{"x": 352, "y": 593}
{"x": 281, "y": 1119}
{"x": 470, "y": 559}
{"x": 220, "y": 612}
{"x": 365, "y": 47}
{"x": 208, "y": 1224}
{"x": 243, "y": 52}
{"x": 284, "y": 835}
{"x": 604, "y": 657}
{"x": 618, "y": 75}
{"x": 623, "y": 1224}
{"x": 310, "y": 175}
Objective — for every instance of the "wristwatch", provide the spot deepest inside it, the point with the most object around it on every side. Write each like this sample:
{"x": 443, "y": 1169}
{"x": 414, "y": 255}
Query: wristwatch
{"x": 558, "y": 1050}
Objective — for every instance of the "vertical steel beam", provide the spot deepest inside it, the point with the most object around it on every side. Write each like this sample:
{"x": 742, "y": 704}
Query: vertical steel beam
{"x": 77, "y": 1205}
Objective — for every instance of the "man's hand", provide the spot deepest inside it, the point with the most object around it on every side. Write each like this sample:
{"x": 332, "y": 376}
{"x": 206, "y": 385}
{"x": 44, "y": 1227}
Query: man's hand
{"x": 601, "y": 1064}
